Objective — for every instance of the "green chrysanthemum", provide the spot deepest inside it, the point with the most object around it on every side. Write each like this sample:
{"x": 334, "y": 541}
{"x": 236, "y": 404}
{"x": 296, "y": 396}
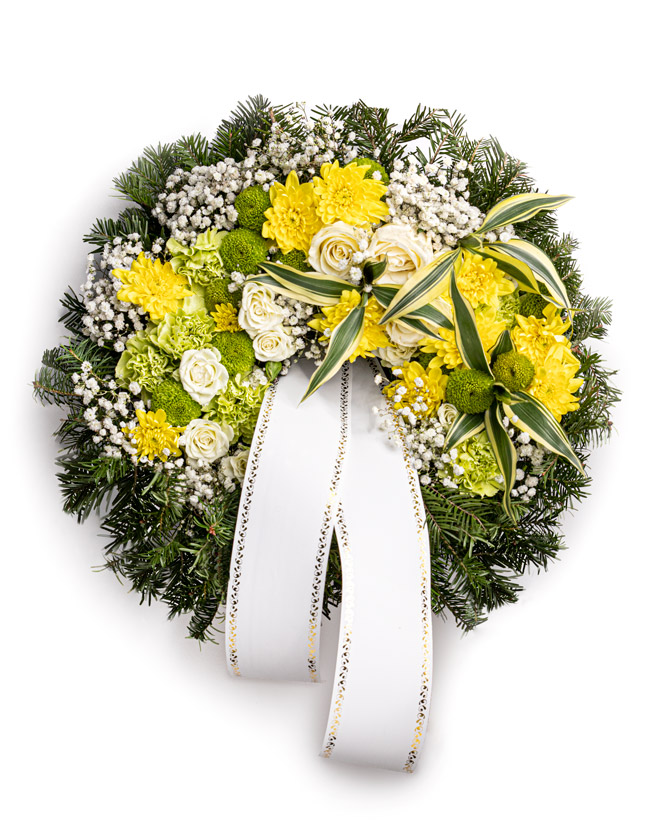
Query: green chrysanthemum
{"x": 179, "y": 406}
{"x": 513, "y": 370}
{"x": 532, "y": 305}
{"x": 373, "y": 167}
{"x": 217, "y": 292}
{"x": 236, "y": 350}
{"x": 243, "y": 250}
{"x": 470, "y": 390}
{"x": 251, "y": 205}
{"x": 294, "y": 258}
{"x": 143, "y": 363}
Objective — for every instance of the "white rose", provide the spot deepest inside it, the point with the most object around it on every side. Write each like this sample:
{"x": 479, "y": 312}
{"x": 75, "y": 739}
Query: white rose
{"x": 206, "y": 440}
{"x": 275, "y": 345}
{"x": 447, "y": 413}
{"x": 235, "y": 467}
{"x": 401, "y": 334}
{"x": 202, "y": 374}
{"x": 394, "y": 355}
{"x": 404, "y": 249}
{"x": 258, "y": 310}
{"x": 332, "y": 249}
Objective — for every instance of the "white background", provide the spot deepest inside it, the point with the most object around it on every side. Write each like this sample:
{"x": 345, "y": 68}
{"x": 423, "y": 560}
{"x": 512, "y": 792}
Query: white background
{"x": 550, "y": 715}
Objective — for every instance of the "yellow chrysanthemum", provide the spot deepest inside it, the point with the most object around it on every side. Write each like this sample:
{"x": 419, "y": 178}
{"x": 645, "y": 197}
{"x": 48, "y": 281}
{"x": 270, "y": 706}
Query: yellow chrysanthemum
{"x": 153, "y": 285}
{"x": 292, "y": 220}
{"x": 226, "y": 318}
{"x": 535, "y": 336}
{"x": 481, "y": 281}
{"x": 446, "y": 352}
{"x": 417, "y": 391}
{"x": 554, "y": 382}
{"x": 154, "y": 436}
{"x": 344, "y": 193}
{"x": 373, "y": 336}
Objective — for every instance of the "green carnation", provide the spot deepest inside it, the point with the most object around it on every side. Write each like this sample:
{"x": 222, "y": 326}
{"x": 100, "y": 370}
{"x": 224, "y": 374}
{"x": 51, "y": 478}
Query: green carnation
{"x": 251, "y": 205}
{"x": 238, "y": 406}
{"x": 480, "y": 473}
{"x": 295, "y": 259}
{"x": 218, "y": 292}
{"x": 470, "y": 390}
{"x": 373, "y": 166}
{"x": 201, "y": 262}
{"x": 242, "y": 251}
{"x": 143, "y": 363}
{"x": 509, "y": 306}
{"x": 532, "y": 305}
{"x": 236, "y": 350}
{"x": 178, "y": 332}
{"x": 179, "y": 406}
{"x": 513, "y": 370}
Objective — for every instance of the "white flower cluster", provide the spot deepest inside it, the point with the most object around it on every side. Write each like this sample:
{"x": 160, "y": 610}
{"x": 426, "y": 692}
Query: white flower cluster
{"x": 107, "y": 319}
{"x": 108, "y": 411}
{"x": 204, "y": 198}
{"x": 531, "y": 455}
{"x": 201, "y": 481}
{"x": 200, "y": 199}
{"x": 433, "y": 200}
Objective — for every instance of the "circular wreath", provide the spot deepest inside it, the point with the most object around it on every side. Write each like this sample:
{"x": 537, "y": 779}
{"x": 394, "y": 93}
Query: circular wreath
{"x": 332, "y": 236}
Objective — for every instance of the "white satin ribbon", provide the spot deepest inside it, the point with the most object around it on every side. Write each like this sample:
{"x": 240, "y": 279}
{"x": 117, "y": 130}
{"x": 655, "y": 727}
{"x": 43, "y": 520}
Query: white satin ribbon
{"x": 311, "y": 465}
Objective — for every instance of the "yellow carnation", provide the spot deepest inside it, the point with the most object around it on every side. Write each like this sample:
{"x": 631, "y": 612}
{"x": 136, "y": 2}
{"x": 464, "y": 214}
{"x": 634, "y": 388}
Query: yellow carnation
{"x": 153, "y": 285}
{"x": 417, "y": 391}
{"x": 292, "y": 220}
{"x": 344, "y": 193}
{"x": 373, "y": 335}
{"x": 226, "y": 318}
{"x": 154, "y": 436}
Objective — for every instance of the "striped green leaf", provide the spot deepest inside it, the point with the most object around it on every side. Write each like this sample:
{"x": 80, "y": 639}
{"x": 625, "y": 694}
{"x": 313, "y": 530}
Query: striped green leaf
{"x": 503, "y": 344}
{"x": 532, "y": 416}
{"x": 428, "y": 313}
{"x": 467, "y": 337}
{"x": 420, "y": 326}
{"x": 519, "y": 208}
{"x": 343, "y": 341}
{"x": 514, "y": 268}
{"x": 464, "y": 426}
{"x": 308, "y": 287}
{"x": 425, "y": 285}
{"x": 504, "y": 452}
{"x": 539, "y": 263}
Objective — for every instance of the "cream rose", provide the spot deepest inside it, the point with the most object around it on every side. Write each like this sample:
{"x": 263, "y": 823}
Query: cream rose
{"x": 394, "y": 355}
{"x": 404, "y": 249}
{"x": 202, "y": 374}
{"x": 274, "y": 345}
{"x": 235, "y": 467}
{"x": 402, "y": 334}
{"x": 447, "y": 413}
{"x": 206, "y": 440}
{"x": 332, "y": 249}
{"x": 258, "y": 310}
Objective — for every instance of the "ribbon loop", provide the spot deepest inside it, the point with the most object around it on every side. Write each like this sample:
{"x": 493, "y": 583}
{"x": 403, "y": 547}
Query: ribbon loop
{"x": 323, "y": 462}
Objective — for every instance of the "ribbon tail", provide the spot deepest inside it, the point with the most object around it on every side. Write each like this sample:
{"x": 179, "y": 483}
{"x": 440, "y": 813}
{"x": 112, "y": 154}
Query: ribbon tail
{"x": 381, "y": 696}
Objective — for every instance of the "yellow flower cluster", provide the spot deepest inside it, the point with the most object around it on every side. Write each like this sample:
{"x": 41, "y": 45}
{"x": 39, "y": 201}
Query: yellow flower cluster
{"x": 226, "y": 318}
{"x": 154, "y": 437}
{"x": 543, "y": 342}
{"x": 446, "y": 352}
{"x": 153, "y": 285}
{"x": 298, "y": 211}
{"x": 418, "y": 391}
{"x": 481, "y": 281}
{"x": 373, "y": 335}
